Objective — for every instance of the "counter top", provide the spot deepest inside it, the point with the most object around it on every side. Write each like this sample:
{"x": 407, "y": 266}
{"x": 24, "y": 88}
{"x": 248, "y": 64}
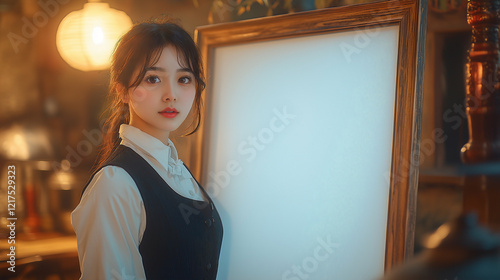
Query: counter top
{"x": 45, "y": 246}
{"x": 43, "y": 256}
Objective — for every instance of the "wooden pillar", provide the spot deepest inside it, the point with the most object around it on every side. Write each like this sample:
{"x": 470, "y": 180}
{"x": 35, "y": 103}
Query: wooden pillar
{"x": 482, "y": 190}
{"x": 483, "y": 86}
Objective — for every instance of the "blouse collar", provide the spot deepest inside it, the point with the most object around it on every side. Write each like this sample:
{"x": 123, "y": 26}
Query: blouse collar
{"x": 166, "y": 155}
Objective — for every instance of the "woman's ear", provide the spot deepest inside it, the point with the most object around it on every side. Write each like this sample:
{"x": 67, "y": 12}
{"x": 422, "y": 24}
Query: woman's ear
{"x": 122, "y": 91}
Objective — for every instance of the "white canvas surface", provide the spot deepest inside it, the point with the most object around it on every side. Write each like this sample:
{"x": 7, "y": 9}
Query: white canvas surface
{"x": 300, "y": 146}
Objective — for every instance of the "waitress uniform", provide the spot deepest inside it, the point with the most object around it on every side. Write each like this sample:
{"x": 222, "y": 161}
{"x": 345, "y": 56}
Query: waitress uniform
{"x": 143, "y": 216}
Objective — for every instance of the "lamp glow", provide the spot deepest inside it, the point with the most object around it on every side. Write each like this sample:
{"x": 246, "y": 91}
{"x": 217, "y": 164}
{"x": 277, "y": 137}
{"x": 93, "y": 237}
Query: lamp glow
{"x": 98, "y": 36}
{"x": 86, "y": 38}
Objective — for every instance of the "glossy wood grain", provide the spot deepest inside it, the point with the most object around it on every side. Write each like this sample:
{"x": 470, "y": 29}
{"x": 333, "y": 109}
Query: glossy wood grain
{"x": 482, "y": 94}
{"x": 406, "y": 14}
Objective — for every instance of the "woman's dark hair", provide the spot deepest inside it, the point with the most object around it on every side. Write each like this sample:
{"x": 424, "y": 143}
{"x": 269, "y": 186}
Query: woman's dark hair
{"x": 141, "y": 48}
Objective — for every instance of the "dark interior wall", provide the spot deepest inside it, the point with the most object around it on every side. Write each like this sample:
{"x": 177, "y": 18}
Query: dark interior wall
{"x": 444, "y": 125}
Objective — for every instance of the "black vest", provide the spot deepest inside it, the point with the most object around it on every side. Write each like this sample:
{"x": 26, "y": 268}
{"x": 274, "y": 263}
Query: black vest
{"x": 183, "y": 237}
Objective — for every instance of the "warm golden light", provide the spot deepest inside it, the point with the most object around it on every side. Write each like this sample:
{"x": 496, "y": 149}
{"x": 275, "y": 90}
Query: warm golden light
{"x": 86, "y": 38}
{"x": 435, "y": 239}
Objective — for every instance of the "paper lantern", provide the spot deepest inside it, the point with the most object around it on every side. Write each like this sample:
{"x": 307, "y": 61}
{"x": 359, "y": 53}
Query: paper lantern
{"x": 86, "y": 38}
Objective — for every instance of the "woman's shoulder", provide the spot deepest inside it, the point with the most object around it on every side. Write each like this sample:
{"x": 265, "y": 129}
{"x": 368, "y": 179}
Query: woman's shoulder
{"x": 112, "y": 181}
{"x": 109, "y": 199}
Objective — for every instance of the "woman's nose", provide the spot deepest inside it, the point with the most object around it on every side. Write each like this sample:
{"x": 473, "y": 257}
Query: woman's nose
{"x": 169, "y": 93}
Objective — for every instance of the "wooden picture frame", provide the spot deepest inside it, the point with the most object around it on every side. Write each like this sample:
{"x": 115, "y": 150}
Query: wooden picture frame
{"x": 408, "y": 16}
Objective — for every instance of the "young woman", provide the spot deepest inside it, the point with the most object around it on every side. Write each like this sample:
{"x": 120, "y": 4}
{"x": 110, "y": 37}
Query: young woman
{"x": 142, "y": 215}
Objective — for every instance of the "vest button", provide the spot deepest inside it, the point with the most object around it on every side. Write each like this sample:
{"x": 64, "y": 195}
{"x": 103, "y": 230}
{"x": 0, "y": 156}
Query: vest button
{"x": 209, "y": 266}
{"x": 208, "y": 222}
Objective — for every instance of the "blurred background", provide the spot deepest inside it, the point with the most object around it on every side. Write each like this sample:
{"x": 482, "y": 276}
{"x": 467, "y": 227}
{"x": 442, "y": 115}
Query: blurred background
{"x": 50, "y": 114}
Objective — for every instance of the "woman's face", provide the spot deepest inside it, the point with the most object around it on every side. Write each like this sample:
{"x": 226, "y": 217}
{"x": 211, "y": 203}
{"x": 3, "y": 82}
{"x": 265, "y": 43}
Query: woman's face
{"x": 164, "y": 97}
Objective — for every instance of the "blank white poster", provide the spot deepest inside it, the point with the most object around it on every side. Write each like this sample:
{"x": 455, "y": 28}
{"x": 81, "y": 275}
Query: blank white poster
{"x": 299, "y": 148}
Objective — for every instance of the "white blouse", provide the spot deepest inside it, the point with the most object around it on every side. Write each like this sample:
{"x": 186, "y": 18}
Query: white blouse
{"x": 110, "y": 219}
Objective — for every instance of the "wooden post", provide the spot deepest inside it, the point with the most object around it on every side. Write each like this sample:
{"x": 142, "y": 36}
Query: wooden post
{"x": 481, "y": 190}
{"x": 483, "y": 87}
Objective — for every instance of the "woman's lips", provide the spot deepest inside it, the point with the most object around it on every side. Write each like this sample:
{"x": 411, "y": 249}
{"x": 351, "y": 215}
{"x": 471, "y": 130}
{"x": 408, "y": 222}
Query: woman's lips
{"x": 169, "y": 112}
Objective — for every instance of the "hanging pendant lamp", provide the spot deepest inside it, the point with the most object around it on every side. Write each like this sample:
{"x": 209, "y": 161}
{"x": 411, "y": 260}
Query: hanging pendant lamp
{"x": 86, "y": 38}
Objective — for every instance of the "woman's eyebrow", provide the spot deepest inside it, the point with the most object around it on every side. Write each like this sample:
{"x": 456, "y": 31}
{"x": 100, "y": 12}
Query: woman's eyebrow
{"x": 184, "y": 70}
{"x": 155, "y": 68}
{"x": 161, "y": 69}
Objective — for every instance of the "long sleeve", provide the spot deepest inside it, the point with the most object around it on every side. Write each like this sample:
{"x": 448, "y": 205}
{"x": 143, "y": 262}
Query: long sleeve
{"x": 109, "y": 223}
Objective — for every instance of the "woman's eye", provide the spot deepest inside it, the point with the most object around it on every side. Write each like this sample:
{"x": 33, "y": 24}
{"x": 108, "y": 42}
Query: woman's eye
{"x": 152, "y": 79}
{"x": 185, "y": 80}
